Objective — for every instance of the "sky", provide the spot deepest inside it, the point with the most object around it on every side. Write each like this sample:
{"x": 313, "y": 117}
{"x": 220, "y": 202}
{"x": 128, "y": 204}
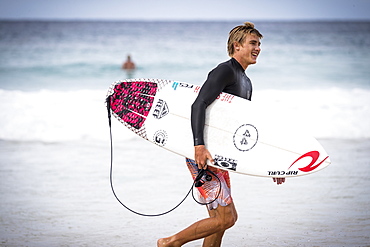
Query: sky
{"x": 186, "y": 9}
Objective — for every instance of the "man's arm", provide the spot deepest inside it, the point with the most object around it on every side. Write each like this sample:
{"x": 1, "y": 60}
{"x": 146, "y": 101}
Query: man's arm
{"x": 217, "y": 80}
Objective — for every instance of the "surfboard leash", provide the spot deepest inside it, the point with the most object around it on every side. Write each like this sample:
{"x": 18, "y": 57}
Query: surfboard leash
{"x": 201, "y": 178}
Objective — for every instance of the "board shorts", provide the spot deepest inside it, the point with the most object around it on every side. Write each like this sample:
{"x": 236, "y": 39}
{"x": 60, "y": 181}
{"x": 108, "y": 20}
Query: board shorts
{"x": 211, "y": 188}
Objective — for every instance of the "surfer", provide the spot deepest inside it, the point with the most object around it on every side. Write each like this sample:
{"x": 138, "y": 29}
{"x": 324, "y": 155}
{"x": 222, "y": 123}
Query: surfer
{"x": 128, "y": 65}
{"x": 243, "y": 48}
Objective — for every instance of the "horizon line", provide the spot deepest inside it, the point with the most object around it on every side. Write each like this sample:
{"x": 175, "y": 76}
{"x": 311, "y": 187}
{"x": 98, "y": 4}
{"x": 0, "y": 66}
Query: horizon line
{"x": 60, "y": 19}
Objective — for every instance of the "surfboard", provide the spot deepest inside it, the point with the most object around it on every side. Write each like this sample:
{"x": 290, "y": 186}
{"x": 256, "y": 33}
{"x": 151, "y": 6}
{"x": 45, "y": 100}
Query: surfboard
{"x": 238, "y": 134}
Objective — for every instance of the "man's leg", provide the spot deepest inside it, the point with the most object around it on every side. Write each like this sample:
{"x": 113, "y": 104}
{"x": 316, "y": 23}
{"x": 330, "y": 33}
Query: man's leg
{"x": 215, "y": 239}
{"x": 211, "y": 228}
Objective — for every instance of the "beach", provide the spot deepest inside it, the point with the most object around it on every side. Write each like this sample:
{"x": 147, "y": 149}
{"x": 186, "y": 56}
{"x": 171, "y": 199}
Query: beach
{"x": 55, "y": 148}
{"x": 63, "y": 198}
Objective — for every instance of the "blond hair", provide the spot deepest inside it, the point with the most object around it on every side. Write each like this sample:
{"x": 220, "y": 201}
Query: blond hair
{"x": 239, "y": 33}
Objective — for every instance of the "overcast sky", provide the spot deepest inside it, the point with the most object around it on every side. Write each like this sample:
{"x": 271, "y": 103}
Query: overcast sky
{"x": 186, "y": 9}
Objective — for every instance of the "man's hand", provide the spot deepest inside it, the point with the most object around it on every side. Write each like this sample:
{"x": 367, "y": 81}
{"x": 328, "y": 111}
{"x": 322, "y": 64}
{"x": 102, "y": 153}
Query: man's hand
{"x": 201, "y": 156}
{"x": 278, "y": 180}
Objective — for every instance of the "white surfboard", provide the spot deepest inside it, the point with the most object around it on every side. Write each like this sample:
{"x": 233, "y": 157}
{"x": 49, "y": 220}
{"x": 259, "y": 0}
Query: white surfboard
{"x": 238, "y": 137}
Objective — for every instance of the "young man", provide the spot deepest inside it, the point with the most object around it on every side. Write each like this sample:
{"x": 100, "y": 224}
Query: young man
{"x": 243, "y": 48}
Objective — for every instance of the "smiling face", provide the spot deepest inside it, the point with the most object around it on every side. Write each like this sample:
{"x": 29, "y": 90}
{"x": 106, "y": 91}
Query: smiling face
{"x": 247, "y": 52}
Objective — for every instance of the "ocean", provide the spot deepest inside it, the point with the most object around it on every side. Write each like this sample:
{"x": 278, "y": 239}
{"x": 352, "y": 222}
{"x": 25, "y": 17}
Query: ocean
{"x": 54, "y": 135}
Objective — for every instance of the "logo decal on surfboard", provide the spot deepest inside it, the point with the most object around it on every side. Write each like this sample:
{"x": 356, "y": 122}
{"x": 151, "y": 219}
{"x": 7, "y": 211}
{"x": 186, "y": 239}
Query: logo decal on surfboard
{"x": 224, "y": 162}
{"x": 181, "y": 84}
{"x": 245, "y": 137}
{"x": 161, "y": 109}
{"x": 160, "y": 137}
{"x": 314, "y": 155}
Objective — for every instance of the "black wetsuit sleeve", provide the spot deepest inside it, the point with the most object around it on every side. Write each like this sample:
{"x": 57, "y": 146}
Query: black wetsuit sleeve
{"x": 217, "y": 80}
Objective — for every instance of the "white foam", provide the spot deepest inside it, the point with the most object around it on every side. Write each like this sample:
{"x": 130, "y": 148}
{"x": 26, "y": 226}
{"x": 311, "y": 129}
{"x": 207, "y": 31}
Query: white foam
{"x": 325, "y": 113}
{"x": 53, "y": 116}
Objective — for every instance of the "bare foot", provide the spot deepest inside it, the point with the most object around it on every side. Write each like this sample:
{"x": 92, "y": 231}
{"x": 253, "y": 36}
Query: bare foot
{"x": 167, "y": 242}
{"x": 162, "y": 242}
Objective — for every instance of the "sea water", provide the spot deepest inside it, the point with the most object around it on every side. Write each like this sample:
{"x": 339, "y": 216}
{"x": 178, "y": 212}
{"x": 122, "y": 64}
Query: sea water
{"x": 54, "y": 136}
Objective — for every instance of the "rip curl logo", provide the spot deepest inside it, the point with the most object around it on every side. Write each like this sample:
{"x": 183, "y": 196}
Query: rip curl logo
{"x": 161, "y": 109}
{"x": 160, "y": 137}
{"x": 282, "y": 173}
{"x": 245, "y": 137}
{"x": 315, "y": 156}
{"x": 226, "y": 163}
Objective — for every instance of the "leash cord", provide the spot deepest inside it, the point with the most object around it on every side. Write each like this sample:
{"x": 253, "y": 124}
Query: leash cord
{"x": 194, "y": 184}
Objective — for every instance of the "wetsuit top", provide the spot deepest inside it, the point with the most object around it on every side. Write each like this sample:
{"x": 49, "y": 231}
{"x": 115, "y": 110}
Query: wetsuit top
{"x": 227, "y": 77}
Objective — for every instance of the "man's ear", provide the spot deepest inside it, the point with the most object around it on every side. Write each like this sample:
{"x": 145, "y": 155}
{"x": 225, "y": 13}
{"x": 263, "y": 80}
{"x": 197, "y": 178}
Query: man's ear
{"x": 236, "y": 46}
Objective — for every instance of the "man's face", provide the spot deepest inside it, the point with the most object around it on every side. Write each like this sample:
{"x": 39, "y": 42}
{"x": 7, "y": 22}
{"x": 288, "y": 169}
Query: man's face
{"x": 248, "y": 52}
